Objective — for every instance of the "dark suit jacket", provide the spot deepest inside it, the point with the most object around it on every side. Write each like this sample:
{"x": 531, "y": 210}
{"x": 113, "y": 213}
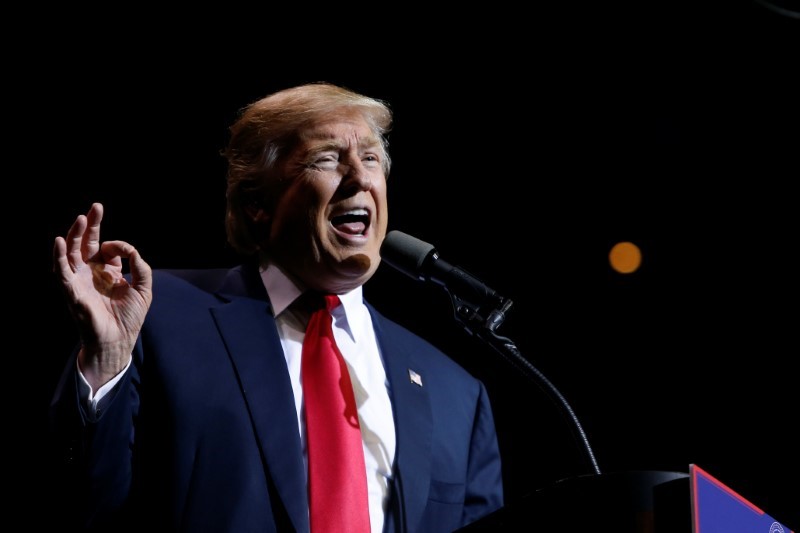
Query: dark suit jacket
{"x": 201, "y": 434}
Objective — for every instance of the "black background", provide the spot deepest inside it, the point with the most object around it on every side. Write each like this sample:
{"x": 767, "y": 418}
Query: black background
{"x": 526, "y": 143}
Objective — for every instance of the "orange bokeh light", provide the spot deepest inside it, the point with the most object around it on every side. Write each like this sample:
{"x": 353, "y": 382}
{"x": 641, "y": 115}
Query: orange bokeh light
{"x": 625, "y": 257}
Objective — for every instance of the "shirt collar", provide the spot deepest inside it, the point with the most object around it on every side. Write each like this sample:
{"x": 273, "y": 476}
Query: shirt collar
{"x": 282, "y": 291}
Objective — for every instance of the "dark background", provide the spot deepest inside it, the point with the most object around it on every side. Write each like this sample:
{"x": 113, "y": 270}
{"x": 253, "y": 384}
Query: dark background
{"x": 525, "y": 145}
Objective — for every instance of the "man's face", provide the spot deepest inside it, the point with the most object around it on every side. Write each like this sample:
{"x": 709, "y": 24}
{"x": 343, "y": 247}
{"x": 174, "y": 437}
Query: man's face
{"x": 328, "y": 226}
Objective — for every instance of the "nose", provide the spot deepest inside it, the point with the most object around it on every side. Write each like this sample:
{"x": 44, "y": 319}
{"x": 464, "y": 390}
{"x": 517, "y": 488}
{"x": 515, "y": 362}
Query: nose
{"x": 357, "y": 177}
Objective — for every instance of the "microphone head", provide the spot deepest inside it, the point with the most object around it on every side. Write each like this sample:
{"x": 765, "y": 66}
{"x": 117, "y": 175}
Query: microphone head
{"x": 406, "y": 253}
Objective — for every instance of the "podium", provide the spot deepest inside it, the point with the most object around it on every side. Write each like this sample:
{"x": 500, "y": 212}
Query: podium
{"x": 623, "y": 502}
{"x": 647, "y": 501}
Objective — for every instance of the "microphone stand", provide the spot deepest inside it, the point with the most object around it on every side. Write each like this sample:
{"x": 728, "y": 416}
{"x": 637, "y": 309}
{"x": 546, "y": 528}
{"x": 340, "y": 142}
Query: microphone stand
{"x": 477, "y": 322}
{"x": 613, "y": 502}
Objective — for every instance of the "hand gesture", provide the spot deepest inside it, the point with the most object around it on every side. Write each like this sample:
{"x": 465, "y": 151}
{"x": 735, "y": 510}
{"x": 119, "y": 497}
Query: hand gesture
{"x": 108, "y": 310}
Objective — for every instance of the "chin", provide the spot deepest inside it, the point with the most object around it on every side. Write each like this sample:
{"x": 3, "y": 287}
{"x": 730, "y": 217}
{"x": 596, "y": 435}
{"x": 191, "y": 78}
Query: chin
{"x": 355, "y": 270}
{"x": 358, "y": 263}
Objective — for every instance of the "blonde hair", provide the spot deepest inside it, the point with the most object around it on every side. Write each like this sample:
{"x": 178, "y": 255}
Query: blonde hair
{"x": 266, "y": 129}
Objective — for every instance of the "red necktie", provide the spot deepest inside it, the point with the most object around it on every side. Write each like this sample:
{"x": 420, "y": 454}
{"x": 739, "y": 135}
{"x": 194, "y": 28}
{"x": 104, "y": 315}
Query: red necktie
{"x": 337, "y": 478}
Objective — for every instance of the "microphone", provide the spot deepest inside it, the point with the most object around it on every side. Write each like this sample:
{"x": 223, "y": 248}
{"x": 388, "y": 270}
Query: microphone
{"x": 420, "y": 260}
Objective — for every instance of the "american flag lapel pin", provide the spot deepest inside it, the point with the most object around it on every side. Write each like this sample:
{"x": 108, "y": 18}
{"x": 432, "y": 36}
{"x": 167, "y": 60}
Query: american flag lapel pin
{"x": 415, "y": 378}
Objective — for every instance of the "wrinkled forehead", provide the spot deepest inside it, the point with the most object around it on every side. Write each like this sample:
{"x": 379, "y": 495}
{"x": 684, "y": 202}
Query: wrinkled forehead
{"x": 343, "y": 121}
{"x": 345, "y": 128}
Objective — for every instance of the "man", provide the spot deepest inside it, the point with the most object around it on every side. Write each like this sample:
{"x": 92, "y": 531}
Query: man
{"x": 183, "y": 408}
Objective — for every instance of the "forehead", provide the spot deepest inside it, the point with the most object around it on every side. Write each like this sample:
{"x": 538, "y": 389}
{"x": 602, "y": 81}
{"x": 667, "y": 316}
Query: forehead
{"x": 346, "y": 126}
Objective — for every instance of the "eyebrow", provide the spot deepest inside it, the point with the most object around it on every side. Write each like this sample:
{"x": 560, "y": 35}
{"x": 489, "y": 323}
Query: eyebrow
{"x": 332, "y": 144}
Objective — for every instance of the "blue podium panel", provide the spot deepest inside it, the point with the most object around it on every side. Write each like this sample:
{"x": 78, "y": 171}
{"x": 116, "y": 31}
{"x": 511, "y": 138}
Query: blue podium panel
{"x": 716, "y": 508}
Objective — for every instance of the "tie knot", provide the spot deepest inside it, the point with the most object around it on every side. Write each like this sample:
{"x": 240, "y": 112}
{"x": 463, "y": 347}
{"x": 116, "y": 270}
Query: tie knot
{"x": 312, "y": 301}
{"x": 331, "y": 302}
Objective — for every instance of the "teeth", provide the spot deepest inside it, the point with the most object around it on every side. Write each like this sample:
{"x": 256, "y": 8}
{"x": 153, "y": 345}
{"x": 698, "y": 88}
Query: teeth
{"x": 356, "y": 212}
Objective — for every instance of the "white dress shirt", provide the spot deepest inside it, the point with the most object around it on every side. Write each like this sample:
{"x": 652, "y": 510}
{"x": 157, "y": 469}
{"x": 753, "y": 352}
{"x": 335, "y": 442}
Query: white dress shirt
{"x": 355, "y": 337}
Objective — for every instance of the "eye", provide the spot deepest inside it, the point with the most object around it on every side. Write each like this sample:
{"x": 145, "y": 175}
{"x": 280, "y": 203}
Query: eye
{"x": 325, "y": 161}
{"x": 371, "y": 159}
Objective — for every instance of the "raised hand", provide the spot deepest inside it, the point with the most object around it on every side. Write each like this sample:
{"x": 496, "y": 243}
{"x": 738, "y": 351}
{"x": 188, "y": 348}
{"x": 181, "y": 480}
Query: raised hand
{"x": 108, "y": 310}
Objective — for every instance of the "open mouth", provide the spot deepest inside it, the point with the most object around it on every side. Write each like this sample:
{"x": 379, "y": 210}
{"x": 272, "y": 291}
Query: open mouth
{"x": 352, "y": 222}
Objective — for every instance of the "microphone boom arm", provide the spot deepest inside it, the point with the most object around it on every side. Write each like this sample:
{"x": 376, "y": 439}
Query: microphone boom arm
{"x": 471, "y": 317}
{"x": 420, "y": 260}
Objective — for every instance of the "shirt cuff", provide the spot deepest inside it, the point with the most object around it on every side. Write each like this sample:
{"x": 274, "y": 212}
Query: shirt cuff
{"x": 91, "y": 399}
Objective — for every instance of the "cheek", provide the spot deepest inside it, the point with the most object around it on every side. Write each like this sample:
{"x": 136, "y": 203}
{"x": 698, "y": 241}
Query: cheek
{"x": 314, "y": 194}
{"x": 287, "y": 220}
{"x": 381, "y": 202}
{"x": 298, "y": 203}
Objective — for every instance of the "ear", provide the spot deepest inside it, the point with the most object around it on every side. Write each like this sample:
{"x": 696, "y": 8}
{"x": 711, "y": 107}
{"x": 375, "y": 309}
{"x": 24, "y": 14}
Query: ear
{"x": 256, "y": 213}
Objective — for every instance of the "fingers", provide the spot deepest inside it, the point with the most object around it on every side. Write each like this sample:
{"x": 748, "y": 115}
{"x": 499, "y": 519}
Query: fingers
{"x": 90, "y": 242}
{"x": 83, "y": 237}
{"x": 141, "y": 274}
{"x": 82, "y": 245}
{"x": 60, "y": 263}
{"x": 113, "y": 252}
{"x": 73, "y": 243}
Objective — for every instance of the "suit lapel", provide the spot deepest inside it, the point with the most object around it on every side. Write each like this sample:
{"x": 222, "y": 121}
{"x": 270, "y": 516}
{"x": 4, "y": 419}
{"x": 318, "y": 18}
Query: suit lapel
{"x": 413, "y": 425}
{"x": 248, "y": 330}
